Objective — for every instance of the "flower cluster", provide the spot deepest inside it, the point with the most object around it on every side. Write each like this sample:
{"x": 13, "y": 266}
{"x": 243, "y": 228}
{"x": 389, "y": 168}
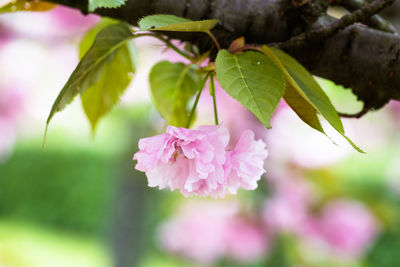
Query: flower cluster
{"x": 197, "y": 161}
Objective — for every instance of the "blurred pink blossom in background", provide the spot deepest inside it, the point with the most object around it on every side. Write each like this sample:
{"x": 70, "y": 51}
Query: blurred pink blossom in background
{"x": 394, "y": 107}
{"x": 246, "y": 241}
{"x": 11, "y": 107}
{"x": 71, "y": 20}
{"x": 287, "y": 209}
{"x": 206, "y": 232}
{"x": 60, "y": 22}
{"x": 11, "y": 104}
{"x": 348, "y": 227}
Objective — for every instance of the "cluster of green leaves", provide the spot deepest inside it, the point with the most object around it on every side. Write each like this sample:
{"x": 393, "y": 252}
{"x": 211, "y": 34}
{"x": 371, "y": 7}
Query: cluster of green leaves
{"x": 108, "y": 62}
{"x": 103, "y": 73}
{"x": 258, "y": 79}
{"x": 173, "y": 85}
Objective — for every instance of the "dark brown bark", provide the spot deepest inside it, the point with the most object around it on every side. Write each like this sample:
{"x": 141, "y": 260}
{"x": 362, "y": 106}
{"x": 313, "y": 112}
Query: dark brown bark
{"x": 376, "y": 21}
{"x": 366, "y": 60}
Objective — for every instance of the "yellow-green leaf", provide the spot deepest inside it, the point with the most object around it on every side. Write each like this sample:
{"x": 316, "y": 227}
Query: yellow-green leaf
{"x": 174, "y": 23}
{"x": 172, "y": 87}
{"x": 303, "y": 109}
{"x": 304, "y": 94}
{"x": 102, "y": 96}
{"x": 90, "y": 69}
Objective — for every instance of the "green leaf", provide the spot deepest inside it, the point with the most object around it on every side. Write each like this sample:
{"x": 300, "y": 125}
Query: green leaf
{"x": 172, "y": 87}
{"x": 304, "y": 94}
{"x": 303, "y": 109}
{"x": 173, "y": 23}
{"x": 94, "y": 4}
{"x": 297, "y": 102}
{"x": 24, "y": 5}
{"x": 253, "y": 79}
{"x": 101, "y": 97}
{"x": 92, "y": 66}
{"x": 89, "y": 38}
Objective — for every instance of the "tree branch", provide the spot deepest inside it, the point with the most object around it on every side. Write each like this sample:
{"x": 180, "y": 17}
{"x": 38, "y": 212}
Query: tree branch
{"x": 363, "y": 59}
{"x": 366, "y": 60}
{"x": 322, "y": 32}
{"x": 376, "y": 21}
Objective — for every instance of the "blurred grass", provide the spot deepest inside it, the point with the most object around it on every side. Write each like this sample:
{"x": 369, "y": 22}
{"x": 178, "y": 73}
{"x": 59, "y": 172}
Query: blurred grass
{"x": 70, "y": 189}
{"x": 85, "y": 187}
{"x": 73, "y": 185}
{"x": 23, "y": 245}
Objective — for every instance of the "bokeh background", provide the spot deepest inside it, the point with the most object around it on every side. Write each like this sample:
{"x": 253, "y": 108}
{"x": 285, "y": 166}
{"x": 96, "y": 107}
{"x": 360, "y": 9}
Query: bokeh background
{"x": 81, "y": 203}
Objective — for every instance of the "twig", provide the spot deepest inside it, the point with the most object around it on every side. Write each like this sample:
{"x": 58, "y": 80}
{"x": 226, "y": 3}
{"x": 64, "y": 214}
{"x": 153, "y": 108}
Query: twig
{"x": 323, "y": 32}
{"x": 376, "y": 21}
{"x": 212, "y": 36}
{"x": 356, "y": 115}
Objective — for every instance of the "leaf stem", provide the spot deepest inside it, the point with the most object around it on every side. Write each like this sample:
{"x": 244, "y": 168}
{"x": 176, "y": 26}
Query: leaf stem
{"x": 197, "y": 100}
{"x": 166, "y": 41}
{"x": 212, "y": 91}
{"x": 214, "y": 39}
{"x": 247, "y": 47}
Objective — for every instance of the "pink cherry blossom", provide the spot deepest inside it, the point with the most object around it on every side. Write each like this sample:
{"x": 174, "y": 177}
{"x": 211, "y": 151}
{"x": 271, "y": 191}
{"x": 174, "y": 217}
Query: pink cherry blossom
{"x": 244, "y": 164}
{"x": 196, "y": 161}
{"x": 188, "y": 160}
